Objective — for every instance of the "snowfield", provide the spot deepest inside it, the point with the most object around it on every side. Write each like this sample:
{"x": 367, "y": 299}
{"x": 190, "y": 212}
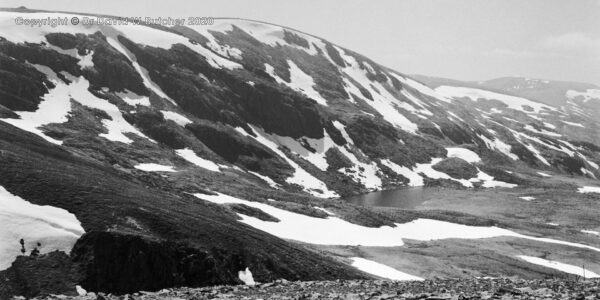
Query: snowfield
{"x": 559, "y": 266}
{"x": 381, "y": 270}
{"x": 335, "y": 231}
{"x": 54, "y": 228}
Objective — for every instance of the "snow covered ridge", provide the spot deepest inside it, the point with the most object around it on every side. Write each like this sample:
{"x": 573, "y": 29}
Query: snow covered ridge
{"x": 54, "y": 228}
{"x": 137, "y": 33}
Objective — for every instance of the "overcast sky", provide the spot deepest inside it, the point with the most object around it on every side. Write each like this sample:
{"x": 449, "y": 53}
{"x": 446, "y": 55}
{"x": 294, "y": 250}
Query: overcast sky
{"x": 463, "y": 39}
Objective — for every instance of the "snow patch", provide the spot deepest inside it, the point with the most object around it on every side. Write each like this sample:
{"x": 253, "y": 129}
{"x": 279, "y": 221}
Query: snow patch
{"x": 571, "y": 269}
{"x": 464, "y": 154}
{"x": 175, "y": 117}
{"x": 591, "y": 232}
{"x": 542, "y": 131}
{"x": 381, "y": 270}
{"x": 54, "y": 228}
{"x": 56, "y": 106}
{"x": 304, "y": 83}
{"x": 587, "y": 95}
{"x": 589, "y": 189}
{"x": 189, "y": 155}
{"x": 299, "y": 81}
{"x": 300, "y": 177}
{"x": 342, "y": 129}
{"x": 516, "y": 103}
{"x": 421, "y": 88}
{"x": 544, "y": 174}
{"x": 133, "y": 99}
{"x": 414, "y": 178}
{"x": 383, "y": 102}
{"x": 490, "y": 182}
{"x": 151, "y": 167}
{"x": 324, "y": 210}
{"x": 527, "y": 198}
{"x": 309, "y": 229}
{"x": 267, "y": 179}
{"x": 84, "y": 61}
{"x": 500, "y": 146}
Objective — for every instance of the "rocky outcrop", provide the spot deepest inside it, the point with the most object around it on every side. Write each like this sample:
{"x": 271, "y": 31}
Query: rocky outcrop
{"x": 30, "y": 276}
{"x": 456, "y": 168}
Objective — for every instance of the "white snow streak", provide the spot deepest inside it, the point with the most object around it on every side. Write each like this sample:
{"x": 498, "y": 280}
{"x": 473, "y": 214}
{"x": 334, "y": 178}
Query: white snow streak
{"x": 190, "y": 155}
{"x": 381, "y": 270}
{"x": 151, "y": 167}
{"x": 175, "y": 117}
{"x": 589, "y": 189}
{"x": 571, "y": 269}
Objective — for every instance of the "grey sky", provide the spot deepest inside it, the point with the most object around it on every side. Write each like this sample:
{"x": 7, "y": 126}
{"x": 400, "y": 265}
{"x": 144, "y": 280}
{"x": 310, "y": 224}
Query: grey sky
{"x": 464, "y": 39}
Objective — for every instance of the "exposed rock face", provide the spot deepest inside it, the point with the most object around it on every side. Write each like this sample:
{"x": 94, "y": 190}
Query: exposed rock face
{"x": 121, "y": 263}
{"x": 456, "y": 168}
{"x": 111, "y": 68}
{"x": 52, "y": 273}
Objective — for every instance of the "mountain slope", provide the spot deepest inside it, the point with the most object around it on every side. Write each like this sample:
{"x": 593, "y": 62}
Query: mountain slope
{"x": 136, "y": 129}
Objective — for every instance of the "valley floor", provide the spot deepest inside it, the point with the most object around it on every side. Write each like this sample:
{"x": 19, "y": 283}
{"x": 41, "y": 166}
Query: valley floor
{"x": 364, "y": 289}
